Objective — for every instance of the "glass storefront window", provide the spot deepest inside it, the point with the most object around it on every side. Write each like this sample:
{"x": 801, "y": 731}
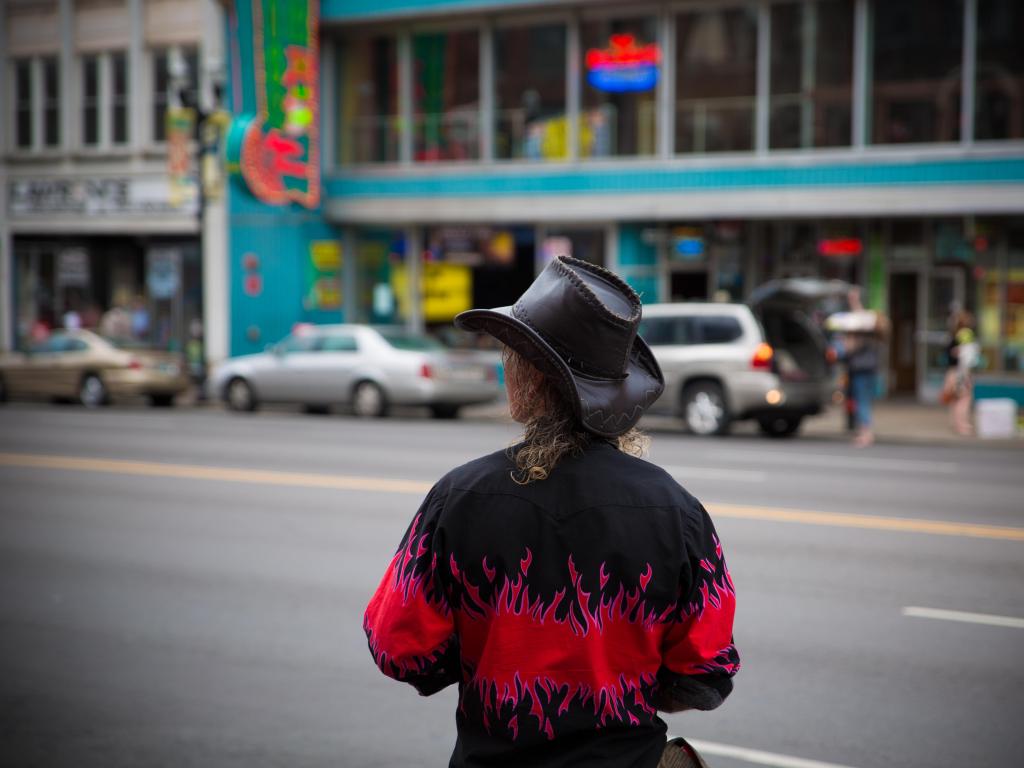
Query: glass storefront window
{"x": 368, "y": 118}
{"x": 716, "y": 79}
{"x": 619, "y": 73}
{"x": 382, "y": 281}
{"x": 529, "y": 93}
{"x": 446, "y": 96}
{"x": 916, "y": 62}
{"x": 999, "y": 84}
{"x": 811, "y": 74}
{"x": 1013, "y": 319}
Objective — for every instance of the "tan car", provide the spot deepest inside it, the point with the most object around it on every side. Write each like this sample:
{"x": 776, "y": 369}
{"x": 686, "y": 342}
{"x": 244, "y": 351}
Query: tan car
{"x": 93, "y": 370}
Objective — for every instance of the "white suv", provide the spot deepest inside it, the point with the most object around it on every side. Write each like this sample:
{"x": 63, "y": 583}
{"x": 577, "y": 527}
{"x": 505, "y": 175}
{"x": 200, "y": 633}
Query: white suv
{"x": 719, "y": 368}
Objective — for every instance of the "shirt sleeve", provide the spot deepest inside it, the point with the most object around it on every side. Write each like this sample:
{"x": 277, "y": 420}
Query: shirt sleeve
{"x": 699, "y": 657}
{"x": 408, "y": 622}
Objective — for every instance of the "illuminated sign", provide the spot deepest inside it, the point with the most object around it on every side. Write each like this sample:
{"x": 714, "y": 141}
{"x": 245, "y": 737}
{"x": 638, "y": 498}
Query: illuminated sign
{"x": 624, "y": 66}
{"x": 841, "y": 247}
{"x": 281, "y": 146}
{"x": 180, "y": 123}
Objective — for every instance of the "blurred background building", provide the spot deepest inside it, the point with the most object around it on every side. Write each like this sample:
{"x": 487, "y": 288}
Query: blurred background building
{"x": 698, "y": 148}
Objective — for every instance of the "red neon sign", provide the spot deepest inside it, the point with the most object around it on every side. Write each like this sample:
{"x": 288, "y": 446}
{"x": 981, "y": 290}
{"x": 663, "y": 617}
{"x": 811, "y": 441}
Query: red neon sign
{"x": 838, "y": 247}
{"x": 623, "y": 66}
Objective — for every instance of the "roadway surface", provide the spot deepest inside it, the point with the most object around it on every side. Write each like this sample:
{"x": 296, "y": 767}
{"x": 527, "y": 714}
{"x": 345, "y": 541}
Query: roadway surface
{"x": 185, "y": 588}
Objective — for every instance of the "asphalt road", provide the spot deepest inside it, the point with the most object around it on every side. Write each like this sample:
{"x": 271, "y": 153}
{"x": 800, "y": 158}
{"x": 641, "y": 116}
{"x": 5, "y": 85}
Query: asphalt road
{"x": 185, "y": 588}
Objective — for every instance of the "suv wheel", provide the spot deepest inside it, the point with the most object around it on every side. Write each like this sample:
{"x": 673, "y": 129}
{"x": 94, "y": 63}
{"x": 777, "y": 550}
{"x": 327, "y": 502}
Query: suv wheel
{"x": 705, "y": 409}
{"x": 779, "y": 425}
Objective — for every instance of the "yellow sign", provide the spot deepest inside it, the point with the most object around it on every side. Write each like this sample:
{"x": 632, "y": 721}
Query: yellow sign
{"x": 326, "y": 255}
{"x": 445, "y": 290}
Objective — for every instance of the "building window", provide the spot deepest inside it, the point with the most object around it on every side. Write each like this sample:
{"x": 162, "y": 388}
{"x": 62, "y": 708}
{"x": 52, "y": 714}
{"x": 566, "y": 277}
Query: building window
{"x": 811, "y": 74}
{"x": 118, "y": 98}
{"x": 716, "y": 79}
{"x": 999, "y": 87}
{"x": 23, "y": 103}
{"x": 620, "y": 71}
{"x": 369, "y": 117}
{"x": 51, "y": 102}
{"x": 916, "y": 63}
{"x": 161, "y": 85}
{"x": 529, "y": 93}
{"x": 446, "y": 96}
{"x": 90, "y": 100}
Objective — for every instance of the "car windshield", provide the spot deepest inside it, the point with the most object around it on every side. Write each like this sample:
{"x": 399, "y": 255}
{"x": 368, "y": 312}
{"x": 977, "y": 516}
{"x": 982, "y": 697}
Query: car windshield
{"x": 122, "y": 342}
{"x": 410, "y": 342}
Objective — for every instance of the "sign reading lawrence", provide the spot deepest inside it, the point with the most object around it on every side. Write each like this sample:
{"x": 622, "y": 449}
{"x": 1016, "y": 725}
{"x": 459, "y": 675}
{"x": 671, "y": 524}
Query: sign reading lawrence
{"x": 113, "y": 196}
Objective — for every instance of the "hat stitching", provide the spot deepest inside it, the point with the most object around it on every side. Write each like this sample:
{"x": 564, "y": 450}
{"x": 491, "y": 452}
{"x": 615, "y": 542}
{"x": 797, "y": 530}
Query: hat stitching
{"x": 563, "y": 262}
{"x": 558, "y": 347}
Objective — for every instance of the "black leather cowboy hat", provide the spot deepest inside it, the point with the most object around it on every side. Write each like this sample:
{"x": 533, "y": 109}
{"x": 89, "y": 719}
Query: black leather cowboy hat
{"x": 578, "y": 323}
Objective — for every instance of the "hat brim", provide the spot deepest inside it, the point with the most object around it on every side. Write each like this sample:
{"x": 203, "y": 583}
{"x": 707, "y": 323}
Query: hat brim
{"x": 605, "y": 407}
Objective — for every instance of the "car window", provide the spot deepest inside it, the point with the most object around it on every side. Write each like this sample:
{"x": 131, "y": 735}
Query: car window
{"x": 410, "y": 342}
{"x": 719, "y": 329}
{"x": 56, "y": 343}
{"x": 305, "y": 342}
{"x": 667, "y": 331}
{"x": 339, "y": 343}
{"x": 76, "y": 345}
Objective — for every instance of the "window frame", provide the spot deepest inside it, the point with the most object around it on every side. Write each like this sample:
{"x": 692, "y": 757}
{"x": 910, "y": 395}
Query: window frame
{"x": 37, "y": 105}
{"x": 105, "y": 143}
{"x": 191, "y": 53}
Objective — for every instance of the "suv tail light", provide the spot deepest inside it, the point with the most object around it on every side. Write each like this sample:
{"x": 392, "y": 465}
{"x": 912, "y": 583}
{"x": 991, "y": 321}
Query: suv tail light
{"x": 762, "y": 359}
{"x": 426, "y": 372}
{"x": 135, "y": 364}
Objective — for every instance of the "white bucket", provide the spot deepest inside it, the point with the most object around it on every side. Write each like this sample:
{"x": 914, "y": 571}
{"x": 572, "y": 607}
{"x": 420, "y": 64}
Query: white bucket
{"x": 996, "y": 417}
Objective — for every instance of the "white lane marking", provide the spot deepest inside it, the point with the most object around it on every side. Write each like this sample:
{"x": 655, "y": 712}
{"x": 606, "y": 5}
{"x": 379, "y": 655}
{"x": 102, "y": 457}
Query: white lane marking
{"x": 716, "y": 473}
{"x": 968, "y": 618}
{"x": 799, "y": 460}
{"x": 758, "y": 756}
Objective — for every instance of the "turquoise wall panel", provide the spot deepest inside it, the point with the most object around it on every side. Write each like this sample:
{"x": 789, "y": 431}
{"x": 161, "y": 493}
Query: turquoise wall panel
{"x": 361, "y": 10}
{"x": 648, "y": 179}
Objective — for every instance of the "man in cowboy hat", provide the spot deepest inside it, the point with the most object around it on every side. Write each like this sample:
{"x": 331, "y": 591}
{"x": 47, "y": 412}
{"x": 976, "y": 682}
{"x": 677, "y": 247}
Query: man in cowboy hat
{"x": 570, "y": 588}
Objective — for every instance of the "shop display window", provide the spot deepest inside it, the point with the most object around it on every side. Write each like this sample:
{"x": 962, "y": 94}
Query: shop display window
{"x": 1013, "y": 317}
{"x": 383, "y": 293}
{"x": 716, "y": 79}
{"x": 620, "y": 72}
{"x": 999, "y": 84}
{"x": 811, "y": 74}
{"x": 446, "y": 96}
{"x": 916, "y": 61}
{"x": 369, "y": 118}
{"x": 530, "y": 120}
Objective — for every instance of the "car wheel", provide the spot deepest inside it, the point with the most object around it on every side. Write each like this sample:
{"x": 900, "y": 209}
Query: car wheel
{"x": 368, "y": 401}
{"x": 316, "y": 409}
{"x": 161, "y": 401}
{"x": 239, "y": 396}
{"x": 444, "y": 411}
{"x": 92, "y": 392}
{"x": 779, "y": 425}
{"x": 705, "y": 409}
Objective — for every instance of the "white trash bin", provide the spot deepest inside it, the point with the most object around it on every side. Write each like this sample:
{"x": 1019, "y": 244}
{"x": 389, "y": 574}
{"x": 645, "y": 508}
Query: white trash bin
{"x": 996, "y": 417}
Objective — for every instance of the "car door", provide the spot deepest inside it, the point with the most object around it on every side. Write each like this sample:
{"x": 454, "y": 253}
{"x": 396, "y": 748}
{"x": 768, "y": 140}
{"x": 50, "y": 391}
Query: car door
{"x": 336, "y": 366}
{"x": 286, "y": 375}
{"x": 70, "y": 362}
{"x": 38, "y": 376}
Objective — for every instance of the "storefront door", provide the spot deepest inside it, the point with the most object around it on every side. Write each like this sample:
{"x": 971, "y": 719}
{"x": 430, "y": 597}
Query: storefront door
{"x": 903, "y": 304}
{"x": 945, "y": 295}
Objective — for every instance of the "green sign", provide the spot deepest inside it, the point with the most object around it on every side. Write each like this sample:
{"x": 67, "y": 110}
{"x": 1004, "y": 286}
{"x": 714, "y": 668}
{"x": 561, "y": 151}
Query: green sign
{"x": 280, "y": 149}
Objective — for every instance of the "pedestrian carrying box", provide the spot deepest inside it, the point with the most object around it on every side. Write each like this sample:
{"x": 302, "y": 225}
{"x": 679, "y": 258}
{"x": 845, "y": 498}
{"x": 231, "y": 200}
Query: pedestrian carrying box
{"x": 996, "y": 417}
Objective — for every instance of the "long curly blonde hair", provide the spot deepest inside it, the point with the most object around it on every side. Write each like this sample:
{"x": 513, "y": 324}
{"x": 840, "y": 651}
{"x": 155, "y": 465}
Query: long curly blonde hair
{"x": 550, "y": 428}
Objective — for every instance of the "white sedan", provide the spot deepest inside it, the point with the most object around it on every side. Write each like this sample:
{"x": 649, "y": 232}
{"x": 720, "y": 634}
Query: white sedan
{"x": 368, "y": 368}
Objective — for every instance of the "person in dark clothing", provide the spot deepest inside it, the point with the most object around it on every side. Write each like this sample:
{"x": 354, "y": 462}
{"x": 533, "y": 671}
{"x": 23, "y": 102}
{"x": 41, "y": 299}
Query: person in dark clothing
{"x": 568, "y": 587}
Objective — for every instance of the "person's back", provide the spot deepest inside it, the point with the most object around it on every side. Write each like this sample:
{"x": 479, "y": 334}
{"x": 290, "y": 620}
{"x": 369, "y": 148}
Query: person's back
{"x": 570, "y": 589}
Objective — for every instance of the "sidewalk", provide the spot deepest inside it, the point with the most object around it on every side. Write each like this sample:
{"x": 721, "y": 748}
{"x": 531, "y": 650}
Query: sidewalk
{"x": 896, "y": 422}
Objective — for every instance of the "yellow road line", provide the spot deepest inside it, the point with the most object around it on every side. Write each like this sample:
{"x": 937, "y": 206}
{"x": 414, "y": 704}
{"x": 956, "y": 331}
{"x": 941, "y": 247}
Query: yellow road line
{"x": 225, "y": 474}
{"x": 417, "y": 488}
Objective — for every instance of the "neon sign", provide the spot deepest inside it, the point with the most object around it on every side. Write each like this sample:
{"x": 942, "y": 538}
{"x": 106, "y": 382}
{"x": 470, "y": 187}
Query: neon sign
{"x": 624, "y": 66}
{"x": 841, "y": 247}
{"x": 281, "y": 147}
